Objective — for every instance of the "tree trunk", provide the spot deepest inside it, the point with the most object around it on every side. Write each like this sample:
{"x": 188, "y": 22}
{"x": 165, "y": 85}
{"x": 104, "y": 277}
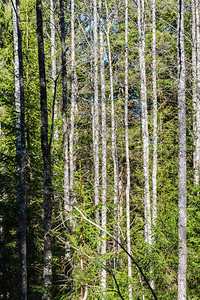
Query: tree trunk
{"x": 194, "y": 87}
{"x": 182, "y": 196}
{"x": 145, "y": 133}
{"x": 53, "y": 62}
{"x": 96, "y": 115}
{"x": 47, "y": 192}
{"x": 67, "y": 206}
{"x": 53, "y": 45}
{"x": 127, "y": 151}
{"x": 197, "y": 150}
{"x": 67, "y": 200}
{"x": 155, "y": 134}
{"x": 71, "y": 136}
{"x": 116, "y": 229}
{"x": 20, "y": 141}
{"x": 104, "y": 154}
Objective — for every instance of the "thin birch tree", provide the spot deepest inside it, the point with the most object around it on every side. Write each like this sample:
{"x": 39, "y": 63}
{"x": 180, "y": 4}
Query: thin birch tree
{"x": 104, "y": 152}
{"x": 71, "y": 135}
{"x": 155, "y": 134}
{"x": 47, "y": 189}
{"x": 96, "y": 114}
{"x": 67, "y": 206}
{"x": 197, "y": 112}
{"x": 116, "y": 229}
{"x": 53, "y": 45}
{"x": 194, "y": 86}
{"x": 67, "y": 200}
{"x": 145, "y": 133}
{"x": 182, "y": 196}
{"x": 53, "y": 62}
{"x": 128, "y": 229}
{"x": 20, "y": 141}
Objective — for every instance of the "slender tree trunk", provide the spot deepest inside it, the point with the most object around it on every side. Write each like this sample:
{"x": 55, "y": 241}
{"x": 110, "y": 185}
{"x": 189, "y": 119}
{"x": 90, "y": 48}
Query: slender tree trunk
{"x": 53, "y": 62}
{"x": 67, "y": 206}
{"x": 197, "y": 150}
{"x": 96, "y": 115}
{"x": 20, "y": 141}
{"x": 28, "y": 148}
{"x": 194, "y": 87}
{"x": 127, "y": 152}
{"x": 116, "y": 228}
{"x": 53, "y": 45}
{"x": 47, "y": 192}
{"x": 71, "y": 137}
{"x": 67, "y": 200}
{"x": 182, "y": 196}
{"x": 145, "y": 133}
{"x": 155, "y": 134}
{"x": 104, "y": 154}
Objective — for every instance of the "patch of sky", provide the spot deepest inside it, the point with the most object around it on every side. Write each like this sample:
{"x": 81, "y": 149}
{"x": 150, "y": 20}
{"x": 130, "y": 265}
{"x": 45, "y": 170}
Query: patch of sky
{"x": 136, "y": 104}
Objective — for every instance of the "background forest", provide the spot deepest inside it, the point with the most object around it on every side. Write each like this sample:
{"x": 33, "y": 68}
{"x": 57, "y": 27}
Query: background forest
{"x": 90, "y": 148}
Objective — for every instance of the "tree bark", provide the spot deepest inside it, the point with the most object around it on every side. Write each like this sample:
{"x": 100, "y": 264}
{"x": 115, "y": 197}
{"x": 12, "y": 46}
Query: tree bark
{"x": 194, "y": 87}
{"x": 20, "y": 141}
{"x": 116, "y": 229}
{"x": 127, "y": 152}
{"x": 67, "y": 204}
{"x": 197, "y": 150}
{"x": 182, "y": 196}
{"x": 53, "y": 45}
{"x": 155, "y": 134}
{"x": 47, "y": 192}
{"x": 71, "y": 136}
{"x": 96, "y": 115}
{"x": 104, "y": 152}
{"x": 145, "y": 133}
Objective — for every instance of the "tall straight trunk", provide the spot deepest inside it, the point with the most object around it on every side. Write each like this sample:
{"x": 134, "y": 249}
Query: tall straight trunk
{"x": 197, "y": 165}
{"x": 20, "y": 141}
{"x": 71, "y": 136}
{"x": 67, "y": 199}
{"x": 27, "y": 125}
{"x": 47, "y": 192}
{"x": 53, "y": 45}
{"x": 155, "y": 134}
{"x": 53, "y": 61}
{"x": 116, "y": 228}
{"x": 96, "y": 114}
{"x": 194, "y": 86}
{"x": 182, "y": 196}
{"x": 67, "y": 206}
{"x": 104, "y": 154}
{"x": 145, "y": 133}
{"x": 127, "y": 152}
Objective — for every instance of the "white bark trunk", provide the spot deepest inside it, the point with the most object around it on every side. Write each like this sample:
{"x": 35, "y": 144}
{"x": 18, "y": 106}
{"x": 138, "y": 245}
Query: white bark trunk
{"x": 194, "y": 87}
{"x": 67, "y": 206}
{"x": 145, "y": 133}
{"x": 127, "y": 152}
{"x": 53, "y": 59}
{"x": 104, "y": 171}
{"x": 96, "y": 114}
{"x": 71, "y": 136}
{"x": 53, "y": 45}
{"x": 197, "y": 151}
{"x": 116, "y": 229}
{"x": 20, "y": 142}
{"x": 182, "y": 197}
{"x": 155, "y": 134}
